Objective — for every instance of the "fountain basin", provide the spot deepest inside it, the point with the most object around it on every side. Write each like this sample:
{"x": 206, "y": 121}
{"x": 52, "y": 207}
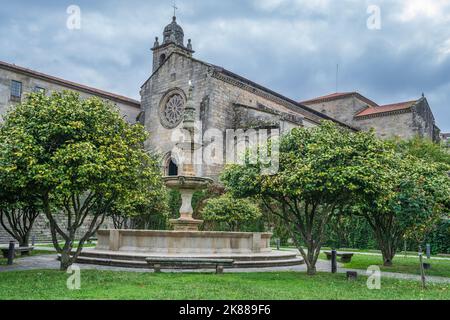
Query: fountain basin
{"x": 187, "y": 183}
{"x": 130, "y": 248}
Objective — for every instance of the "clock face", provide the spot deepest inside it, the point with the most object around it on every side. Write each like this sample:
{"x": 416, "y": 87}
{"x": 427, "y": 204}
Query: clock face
{"x": 172, "y": 110}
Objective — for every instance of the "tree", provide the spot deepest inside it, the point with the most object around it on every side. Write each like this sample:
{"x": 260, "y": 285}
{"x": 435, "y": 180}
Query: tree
{"x": 143, "y": 207}
{"x": 320, "y": 170}
{"x": 80, "y": 156}
{"x": 233, "y": 212}
{"x": 17, "y": 217}
{"x": 417, "y": 196}
{"x": 19, "y": 204}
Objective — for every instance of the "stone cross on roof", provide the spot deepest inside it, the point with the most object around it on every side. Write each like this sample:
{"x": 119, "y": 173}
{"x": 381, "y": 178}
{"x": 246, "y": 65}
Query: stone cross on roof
{"x": 175, "y": 8}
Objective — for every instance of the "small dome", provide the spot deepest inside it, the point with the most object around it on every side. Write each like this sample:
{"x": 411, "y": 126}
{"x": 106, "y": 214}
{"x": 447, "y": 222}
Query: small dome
{"x": 174, "y": 33}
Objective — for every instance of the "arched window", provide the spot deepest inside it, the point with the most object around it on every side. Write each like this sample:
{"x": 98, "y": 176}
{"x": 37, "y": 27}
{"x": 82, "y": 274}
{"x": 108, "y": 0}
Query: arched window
{"x": 162, "y": 58}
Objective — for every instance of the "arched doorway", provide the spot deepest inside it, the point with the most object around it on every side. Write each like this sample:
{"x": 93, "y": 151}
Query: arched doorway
{"x": 172, "y": 168}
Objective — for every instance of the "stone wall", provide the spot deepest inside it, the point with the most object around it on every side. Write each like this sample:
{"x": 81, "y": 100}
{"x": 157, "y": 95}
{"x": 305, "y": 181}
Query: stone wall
{"x": 343, "y": 109}
{"x": 396, "y": 125}
{"x": 29, "y": 83}
{"x": 41, "y": 229}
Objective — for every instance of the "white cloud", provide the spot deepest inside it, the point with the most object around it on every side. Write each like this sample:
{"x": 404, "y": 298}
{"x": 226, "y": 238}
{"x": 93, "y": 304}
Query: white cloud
{"x": 430, "y": 9}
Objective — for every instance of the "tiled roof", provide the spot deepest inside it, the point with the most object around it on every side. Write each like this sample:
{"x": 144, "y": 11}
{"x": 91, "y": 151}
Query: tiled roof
{"x": 72, "y": 85}
{"x": 340, "y": 95}
{"x": 386, "y": 108}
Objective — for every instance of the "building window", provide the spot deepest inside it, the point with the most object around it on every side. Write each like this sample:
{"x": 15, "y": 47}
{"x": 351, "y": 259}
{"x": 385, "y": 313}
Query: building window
{"x": 16, "y": 90}
{"x": 162, "y": 59}
{"x": 39, "y": 89}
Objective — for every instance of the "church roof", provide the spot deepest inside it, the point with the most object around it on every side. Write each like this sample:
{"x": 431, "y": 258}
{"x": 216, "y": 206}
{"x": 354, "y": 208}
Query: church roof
{"x": 340, "y": 95}
{"x": 316, "y": 115}
{"x": 70, "y": 84}
{"x": 386, "y": 109}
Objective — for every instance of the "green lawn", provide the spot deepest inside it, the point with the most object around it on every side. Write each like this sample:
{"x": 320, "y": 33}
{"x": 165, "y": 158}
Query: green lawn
{"x": 401, "y": 265}
{"x": 35, "y": 285}
{"x": 50, "y": 245}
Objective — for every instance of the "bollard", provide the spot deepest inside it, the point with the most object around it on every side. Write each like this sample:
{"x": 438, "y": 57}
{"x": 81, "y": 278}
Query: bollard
{"x": 278, "y": 244}
{"x": 333, "y": 261}
{"x": 11, "y": 253}
{"x": 428, "y": 251}
{"x": 352, "y": 275}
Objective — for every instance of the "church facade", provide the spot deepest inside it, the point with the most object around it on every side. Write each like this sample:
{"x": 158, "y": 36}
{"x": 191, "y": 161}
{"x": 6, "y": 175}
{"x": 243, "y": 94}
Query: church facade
{"x": 223, "y": 100}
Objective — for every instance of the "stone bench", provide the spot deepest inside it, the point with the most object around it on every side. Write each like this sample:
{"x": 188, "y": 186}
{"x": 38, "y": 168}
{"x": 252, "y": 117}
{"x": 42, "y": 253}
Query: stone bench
{"x": 218, "y": 264}
{"x": 346, "y": 257}
{"x": 24, "y": 251}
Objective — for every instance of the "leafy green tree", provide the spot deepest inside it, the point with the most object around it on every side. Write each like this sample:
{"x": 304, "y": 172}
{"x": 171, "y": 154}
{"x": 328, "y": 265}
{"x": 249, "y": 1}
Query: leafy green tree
{"x": 79, "y": 156}
{"x": 142, "y": 208}
{"x": 417, "y": 197}
{"x": 233, "y": 212}
{"x": 17, "y": 216}
{"x": 320, "y": 171}
{"x": 426, "y": 150}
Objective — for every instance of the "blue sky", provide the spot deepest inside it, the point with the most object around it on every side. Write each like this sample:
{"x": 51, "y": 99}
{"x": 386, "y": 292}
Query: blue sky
{"x": 291, "y": 46}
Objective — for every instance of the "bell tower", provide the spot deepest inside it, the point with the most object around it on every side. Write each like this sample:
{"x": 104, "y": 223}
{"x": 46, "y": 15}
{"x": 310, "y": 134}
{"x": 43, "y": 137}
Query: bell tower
{"x": 173, "y": 41}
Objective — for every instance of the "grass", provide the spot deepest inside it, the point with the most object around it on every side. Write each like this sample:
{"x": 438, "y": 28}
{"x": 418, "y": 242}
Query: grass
{"x": 400, "y": 264}
{"x": 50, "y": 245}
{"x": 40, "y": 285}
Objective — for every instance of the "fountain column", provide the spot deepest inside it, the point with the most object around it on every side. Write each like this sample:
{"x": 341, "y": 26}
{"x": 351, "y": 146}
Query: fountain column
{"x": 187, "y": 182}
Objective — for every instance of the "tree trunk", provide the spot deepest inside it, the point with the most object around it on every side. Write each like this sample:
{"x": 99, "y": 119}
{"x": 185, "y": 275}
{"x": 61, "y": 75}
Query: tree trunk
{"x": 24, "y": 242}
{"x": 311, "y": 270}
{"x": 66, "y": 260}
{"x": 388, "y": 253}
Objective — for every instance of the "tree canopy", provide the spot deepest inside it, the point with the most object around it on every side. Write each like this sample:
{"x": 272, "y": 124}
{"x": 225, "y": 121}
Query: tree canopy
{"x": 79, "y": 156}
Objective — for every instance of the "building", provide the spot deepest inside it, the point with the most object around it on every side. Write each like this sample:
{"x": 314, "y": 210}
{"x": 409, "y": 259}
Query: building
{"x": 445, "y": 137}
{"x": 404, "y": 120}
{"x": 16, "y": 82}
{"x": 223, "y": 101}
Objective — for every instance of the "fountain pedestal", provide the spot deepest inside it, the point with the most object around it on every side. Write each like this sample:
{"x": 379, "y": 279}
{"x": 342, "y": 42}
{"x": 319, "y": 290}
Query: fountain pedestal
{"x": 187, "y": 185}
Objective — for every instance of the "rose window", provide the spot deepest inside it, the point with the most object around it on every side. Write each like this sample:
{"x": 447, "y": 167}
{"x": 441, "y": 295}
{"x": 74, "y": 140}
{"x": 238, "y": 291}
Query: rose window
{"x": 174, "y": 110}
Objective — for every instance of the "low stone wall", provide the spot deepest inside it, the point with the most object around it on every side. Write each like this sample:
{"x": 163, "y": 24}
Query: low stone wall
{"x": 192, "y": 242}
{"x": 41, "y": 229}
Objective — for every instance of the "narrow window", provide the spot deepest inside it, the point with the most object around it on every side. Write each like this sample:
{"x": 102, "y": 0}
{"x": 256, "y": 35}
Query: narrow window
{"x": 16, "y": 90}
{"x": 162, "y": 58}
{"x": 39, "y": 89}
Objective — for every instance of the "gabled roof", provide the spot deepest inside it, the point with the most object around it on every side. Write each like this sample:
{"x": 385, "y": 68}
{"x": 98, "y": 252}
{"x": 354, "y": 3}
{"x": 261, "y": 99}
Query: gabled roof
{"x": 401, "y": 106}
{"x": 70, "y": 84}
{"x": 339, "y": 95}
{"x": 298, "y": 107}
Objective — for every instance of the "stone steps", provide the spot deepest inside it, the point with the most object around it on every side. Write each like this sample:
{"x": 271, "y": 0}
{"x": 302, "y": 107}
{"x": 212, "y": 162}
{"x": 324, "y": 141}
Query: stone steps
{"x": 133, "y": 260}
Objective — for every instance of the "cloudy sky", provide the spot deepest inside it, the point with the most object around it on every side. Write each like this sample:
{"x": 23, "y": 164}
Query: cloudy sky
{"x": 291, "y": 46}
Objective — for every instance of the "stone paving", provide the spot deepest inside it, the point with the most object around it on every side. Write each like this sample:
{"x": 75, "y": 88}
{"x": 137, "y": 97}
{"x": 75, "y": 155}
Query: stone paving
{"x": 49, "y": 261}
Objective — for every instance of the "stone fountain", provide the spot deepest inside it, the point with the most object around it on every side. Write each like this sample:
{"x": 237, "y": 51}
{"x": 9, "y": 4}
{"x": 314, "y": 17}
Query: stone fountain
{"x": 131, "y": 248}
{"x": 187, "y": 182}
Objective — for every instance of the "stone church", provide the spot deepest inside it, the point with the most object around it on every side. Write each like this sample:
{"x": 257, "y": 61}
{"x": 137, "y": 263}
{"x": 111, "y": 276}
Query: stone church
{"x": 223, "y": 100}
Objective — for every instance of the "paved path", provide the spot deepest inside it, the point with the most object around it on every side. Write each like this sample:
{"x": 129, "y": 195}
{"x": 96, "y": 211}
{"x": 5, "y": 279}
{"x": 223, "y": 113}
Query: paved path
{"x": 49, "y": 262}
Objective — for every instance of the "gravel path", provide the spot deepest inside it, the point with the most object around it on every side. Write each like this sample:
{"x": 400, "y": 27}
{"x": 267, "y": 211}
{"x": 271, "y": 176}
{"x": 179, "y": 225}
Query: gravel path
{"x": 49, "y": 261}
